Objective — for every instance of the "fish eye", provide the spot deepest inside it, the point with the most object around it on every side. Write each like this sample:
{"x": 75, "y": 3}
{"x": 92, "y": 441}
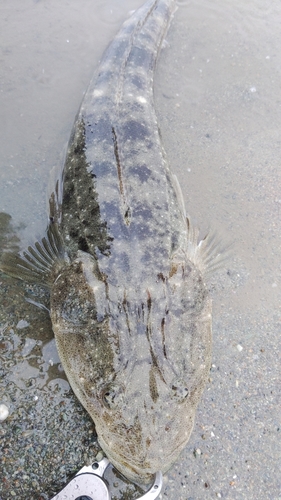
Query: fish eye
{"x": 180, "y": 391}
{"x": 112, "y": 396}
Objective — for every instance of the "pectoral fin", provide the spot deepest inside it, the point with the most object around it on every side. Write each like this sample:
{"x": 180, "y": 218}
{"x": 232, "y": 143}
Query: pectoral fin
{"x": 39, "y": 262}
{"x": 208, "y": 254}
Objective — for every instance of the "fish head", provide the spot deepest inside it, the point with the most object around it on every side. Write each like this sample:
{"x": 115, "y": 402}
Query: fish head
{"x": 139, "y": 377}
{"x": 141, "y": 436}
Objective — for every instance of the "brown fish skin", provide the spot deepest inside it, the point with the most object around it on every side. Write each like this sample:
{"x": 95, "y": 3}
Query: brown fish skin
{"x": 130, "y": 309}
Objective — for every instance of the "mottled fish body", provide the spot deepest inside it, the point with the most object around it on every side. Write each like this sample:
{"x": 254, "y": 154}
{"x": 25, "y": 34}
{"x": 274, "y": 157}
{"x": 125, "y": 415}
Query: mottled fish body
{"x": 129, "y": 307}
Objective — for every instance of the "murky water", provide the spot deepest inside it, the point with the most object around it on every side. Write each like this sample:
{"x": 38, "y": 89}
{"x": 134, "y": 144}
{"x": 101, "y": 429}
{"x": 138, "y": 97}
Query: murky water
{"x": 218, "y": 98}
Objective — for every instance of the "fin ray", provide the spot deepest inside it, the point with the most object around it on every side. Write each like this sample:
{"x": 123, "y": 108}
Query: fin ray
{"x": 37, "y": 263}
{"x": 208, "y": 254}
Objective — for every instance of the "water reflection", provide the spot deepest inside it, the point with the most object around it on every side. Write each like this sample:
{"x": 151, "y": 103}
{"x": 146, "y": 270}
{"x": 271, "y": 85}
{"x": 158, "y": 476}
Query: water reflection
{"x": 8, "y": 237}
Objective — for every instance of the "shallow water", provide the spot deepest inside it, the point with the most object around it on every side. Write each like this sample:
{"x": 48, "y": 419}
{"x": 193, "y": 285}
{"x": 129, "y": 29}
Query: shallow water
{"x": 218, "y": 99}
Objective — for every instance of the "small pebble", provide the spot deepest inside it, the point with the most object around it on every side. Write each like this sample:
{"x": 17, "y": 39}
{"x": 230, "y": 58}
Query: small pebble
{"x": 4, "y": 412}
{"x": 22, "y": 324}
{"x": 239, "y": 347}
{"x": 197, "y": 452}
{"x": 99, "y": 456}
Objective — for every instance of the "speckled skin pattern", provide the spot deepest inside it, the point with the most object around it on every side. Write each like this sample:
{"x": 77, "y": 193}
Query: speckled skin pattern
{"x": 130, "y": 310}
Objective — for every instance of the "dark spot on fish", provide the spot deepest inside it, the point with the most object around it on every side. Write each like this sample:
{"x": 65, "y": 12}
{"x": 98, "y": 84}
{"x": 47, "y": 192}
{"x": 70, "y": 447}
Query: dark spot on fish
{"x": 73, "y": 233}
{"x": 68, "y": 194}
{"x": 159, "y": 132}
{"x": 119, "y": 166}
{"x": 174, "y": 242}
{"x": 163, "y": 336}
{"x": 140, "y": 171}
{"x": 153, "y": 385}
{"x": 100, "y": 130}
{"x": 173, "y": 270}
{"x": 135, "y": 130}
{"x": 144, "y": 210}
{"x": 101, "y": 169}
{"x": 138, "y": 82}
{"x": 83, "y": 245}
{"x": 79, "y": 148}
{"x": 160, "y": 276}
{"x": 124, "y": 260}
{"x": 139, "y": 56}
{"x": 128, "y": 216}
{"x": 149, "y": 301}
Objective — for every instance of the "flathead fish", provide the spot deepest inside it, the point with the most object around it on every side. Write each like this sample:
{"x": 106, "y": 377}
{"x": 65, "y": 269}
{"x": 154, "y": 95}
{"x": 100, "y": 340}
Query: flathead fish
{"x": 130, "y": 309}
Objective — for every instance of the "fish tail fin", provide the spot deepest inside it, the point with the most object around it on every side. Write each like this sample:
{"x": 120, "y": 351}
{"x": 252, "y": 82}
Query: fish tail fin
{"x": 37, "y": 263}
{"x": 207, "y": 254}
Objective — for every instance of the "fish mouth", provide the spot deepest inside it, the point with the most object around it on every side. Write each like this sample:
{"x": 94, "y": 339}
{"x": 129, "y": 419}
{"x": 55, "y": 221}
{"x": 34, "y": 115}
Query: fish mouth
{"x": 134, "y": 474}
{"x": 140, "y": 474}
{"x": 141, "y": 467}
